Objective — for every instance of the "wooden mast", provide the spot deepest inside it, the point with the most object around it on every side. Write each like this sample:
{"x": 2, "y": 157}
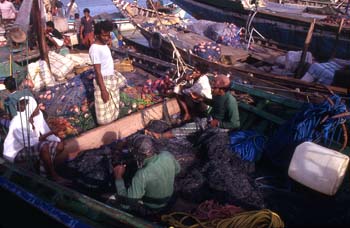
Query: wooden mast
{"x": 306, "y": 47}
{"x": 40, "y": 30}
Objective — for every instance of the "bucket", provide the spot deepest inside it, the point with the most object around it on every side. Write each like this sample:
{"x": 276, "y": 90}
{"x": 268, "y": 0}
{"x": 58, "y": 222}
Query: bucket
{"x": 318, "y": 168}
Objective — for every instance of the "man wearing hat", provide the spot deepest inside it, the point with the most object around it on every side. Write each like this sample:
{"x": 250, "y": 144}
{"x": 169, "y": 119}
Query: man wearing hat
{"x": 152, "y": 186}
{"x": 223, "y": 115}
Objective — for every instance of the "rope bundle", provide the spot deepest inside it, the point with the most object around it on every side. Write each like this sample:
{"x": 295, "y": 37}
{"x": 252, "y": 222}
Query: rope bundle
{"x": 251, "y": 219}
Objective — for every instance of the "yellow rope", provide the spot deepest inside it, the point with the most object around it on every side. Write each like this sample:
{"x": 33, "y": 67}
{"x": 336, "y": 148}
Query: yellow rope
{"x": 251, "y": 219}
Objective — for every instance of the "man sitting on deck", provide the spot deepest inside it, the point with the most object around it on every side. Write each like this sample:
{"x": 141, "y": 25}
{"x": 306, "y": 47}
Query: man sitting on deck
{"x": 190, "y": 97}
{"x": 30, "y": 138}
{"x": 53, "y": 36}
{"x": 223, "y": 115}
{"x": 152, "y": 186}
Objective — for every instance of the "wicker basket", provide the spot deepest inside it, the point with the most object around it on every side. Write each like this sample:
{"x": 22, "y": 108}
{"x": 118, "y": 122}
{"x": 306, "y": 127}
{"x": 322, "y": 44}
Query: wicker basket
{"x": 124, "y": 65}
{"x": 81, "y": 69}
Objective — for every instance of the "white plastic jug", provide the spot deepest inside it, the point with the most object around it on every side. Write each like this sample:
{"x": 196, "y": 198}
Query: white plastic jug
{"x": 317, "y": 167}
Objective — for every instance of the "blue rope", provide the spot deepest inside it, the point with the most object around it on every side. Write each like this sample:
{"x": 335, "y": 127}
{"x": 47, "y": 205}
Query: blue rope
{"x": 306, "y": 126}
{"x": 247, "y": 144}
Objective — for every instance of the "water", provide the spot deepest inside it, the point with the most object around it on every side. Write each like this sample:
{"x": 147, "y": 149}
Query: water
{"x": 100, "y": 6}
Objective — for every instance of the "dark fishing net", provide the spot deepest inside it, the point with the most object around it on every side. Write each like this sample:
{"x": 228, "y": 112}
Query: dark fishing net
{"x": 92, "y": 170}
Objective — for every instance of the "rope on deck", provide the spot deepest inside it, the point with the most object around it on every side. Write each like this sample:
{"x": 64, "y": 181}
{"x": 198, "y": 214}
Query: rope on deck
{"x": 251, "y": 219}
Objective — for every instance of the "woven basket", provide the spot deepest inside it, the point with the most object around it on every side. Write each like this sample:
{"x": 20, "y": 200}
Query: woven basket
{"x": 81, "y": 69}
{"x": 124, "y": 66}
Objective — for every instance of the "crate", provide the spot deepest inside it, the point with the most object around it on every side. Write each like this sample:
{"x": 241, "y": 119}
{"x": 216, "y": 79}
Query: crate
{"x": 124, "y": 65}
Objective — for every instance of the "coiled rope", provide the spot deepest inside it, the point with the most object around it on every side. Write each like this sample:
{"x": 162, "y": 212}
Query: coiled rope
{"x": 251, "y": 219}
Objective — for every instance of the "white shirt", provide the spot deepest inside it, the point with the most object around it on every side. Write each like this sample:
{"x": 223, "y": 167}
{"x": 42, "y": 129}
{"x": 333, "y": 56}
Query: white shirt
{"x": 7, "y": 10}
{"x": 73, "y": 10}
{"x": 201, "y": 87}
{"x": 101, "y": 54}
{"x": 17, "y": 136}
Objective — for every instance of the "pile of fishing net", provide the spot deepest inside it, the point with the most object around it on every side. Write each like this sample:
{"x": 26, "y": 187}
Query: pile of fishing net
{"x": 72, "y": 101}
{"x": 208, "y": 50}
{"x": 220, "y": 175}
{"x": 224, "y": 33}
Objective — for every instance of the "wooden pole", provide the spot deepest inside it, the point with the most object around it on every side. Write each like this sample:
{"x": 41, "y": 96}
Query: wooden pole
{"x": 306, "y": 47}
{"x": 340, "y": 28}
{"x": 40, "y": 29}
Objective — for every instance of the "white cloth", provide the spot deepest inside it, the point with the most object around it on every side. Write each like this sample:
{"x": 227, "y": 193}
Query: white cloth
{"x": 73, "y": 10}
{"x": 8, "y": 11}
{"x": 20, "y": 129}
{"x": 101, "y": 54}
{"x": 201, "y": 87}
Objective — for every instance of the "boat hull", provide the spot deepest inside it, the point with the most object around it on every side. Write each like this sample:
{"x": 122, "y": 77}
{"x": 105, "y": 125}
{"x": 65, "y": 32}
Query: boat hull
{"x": 272, "y": 26}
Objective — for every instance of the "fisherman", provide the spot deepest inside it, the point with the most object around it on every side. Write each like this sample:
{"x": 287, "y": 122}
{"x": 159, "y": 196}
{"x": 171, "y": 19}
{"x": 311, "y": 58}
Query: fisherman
{"x": 72, "y": 10}
{"x": 152, "y": 186}
{"x": 30, "y": 138}
{"x": 86, "y": 29}
{"x": 106, "y": 82}
{"x": 53, "y": 37}
{"x": 58, "y": 9}
{"x": 224, "y": 114}
{"x": 198, "y": 87}
{"x": 12, "y": 99}
{"x": 8, "y": 12}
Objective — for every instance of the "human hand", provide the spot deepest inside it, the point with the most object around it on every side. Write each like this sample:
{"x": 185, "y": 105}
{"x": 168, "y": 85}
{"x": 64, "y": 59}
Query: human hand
{"x": 105, "y": 96}
{"x": 195, "y": 96}
{"x": 119, "y": 171}
{"x": 214, "y": 123}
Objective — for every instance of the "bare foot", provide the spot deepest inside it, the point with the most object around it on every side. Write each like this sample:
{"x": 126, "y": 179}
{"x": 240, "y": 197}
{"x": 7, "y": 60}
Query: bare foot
{"x": 153, "y": 134}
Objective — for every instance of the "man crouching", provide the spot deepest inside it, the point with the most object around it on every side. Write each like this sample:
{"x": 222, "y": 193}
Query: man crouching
{"x": 152, "y": 186}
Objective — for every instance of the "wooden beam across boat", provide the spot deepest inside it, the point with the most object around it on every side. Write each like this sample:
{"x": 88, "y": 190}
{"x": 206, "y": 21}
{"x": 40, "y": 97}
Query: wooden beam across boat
{"x": 119, "y": 129}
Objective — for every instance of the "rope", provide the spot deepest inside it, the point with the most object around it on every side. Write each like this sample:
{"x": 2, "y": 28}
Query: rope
{"x": 210, "y": 210}
{"x": 176, "y": 52}
{"x": 251, "y": 219}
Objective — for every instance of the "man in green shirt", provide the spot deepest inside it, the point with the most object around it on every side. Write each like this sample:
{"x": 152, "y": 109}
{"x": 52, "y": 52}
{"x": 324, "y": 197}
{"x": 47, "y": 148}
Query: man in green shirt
{"x": 223, "y": 114}
{"x": 153, "y": 184}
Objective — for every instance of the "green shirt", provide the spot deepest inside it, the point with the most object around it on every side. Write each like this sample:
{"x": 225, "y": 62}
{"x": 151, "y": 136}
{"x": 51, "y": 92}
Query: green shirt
{"x": 10, "y": 102}
{"x": 154, "y": 181}
{"x": 225, "y": 109}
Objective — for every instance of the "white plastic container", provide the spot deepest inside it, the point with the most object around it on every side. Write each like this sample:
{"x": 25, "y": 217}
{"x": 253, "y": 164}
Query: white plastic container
{"x": 318, "y": 168}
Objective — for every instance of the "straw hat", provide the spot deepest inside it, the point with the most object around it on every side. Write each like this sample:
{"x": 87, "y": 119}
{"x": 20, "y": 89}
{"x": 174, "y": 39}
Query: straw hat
{"x": 17, "y": 35}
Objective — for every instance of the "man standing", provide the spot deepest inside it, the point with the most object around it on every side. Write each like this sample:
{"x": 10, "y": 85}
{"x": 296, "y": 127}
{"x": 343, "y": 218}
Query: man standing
{"x": 72, "y": 9}
{"x": 8, "y": 11}
{"x": 106, "y": 83}
{"x": 86, "y": 29}
{"x": 152, "y": 186}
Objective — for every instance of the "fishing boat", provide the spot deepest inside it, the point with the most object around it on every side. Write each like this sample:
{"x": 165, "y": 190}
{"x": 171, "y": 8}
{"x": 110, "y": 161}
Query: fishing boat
{"x": 77, "y": 209}
{"x": 171, "y": 40}
{"x": 259, "y": 109}
{"x": 283, "y": 21}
